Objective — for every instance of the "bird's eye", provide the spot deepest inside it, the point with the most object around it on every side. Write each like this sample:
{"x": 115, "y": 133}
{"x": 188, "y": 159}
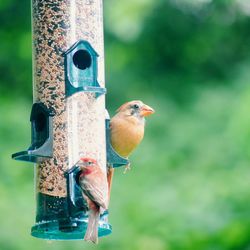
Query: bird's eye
{"x": 135, "y": 106}
{"x": 89, "y": 163}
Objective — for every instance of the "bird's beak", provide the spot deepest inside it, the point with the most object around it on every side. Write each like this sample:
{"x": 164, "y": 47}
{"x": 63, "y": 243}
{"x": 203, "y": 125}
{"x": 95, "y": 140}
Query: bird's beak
{"x": 146, "y": 110}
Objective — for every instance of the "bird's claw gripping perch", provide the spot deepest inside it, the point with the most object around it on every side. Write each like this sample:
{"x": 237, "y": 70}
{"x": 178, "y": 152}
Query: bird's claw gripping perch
{"x": 127, "y": 168}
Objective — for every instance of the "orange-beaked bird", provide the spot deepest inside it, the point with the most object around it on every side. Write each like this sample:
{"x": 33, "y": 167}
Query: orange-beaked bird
{"x": 94, "y": 186}
{"x": 127, "y": 129}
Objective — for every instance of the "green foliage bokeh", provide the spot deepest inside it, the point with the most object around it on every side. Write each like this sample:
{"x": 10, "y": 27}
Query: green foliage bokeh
{"x": 189, "y": 185}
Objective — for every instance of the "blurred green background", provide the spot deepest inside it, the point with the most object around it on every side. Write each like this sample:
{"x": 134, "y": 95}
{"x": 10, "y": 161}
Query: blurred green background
{"x": 189, "y": 187}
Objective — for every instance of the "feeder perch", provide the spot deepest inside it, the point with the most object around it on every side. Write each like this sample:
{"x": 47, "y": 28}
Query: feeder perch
{"x": 41, "y": 133}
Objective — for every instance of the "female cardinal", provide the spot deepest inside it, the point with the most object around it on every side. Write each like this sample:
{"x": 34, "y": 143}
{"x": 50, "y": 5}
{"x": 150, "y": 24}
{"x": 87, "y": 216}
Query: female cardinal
{"x": 94, "y": 185}
{"x": 127, "y": 129}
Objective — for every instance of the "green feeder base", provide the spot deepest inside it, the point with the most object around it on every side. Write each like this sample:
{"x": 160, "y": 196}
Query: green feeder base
{"x": 59, "y": 219}
{"x": 75, "y": 230}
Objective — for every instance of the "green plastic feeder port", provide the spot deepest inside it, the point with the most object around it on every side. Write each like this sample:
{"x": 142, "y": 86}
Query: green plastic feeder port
{"x": 41, "y": 148}
{"x": 81, "y": 69}
{"x": 65, "y": 218}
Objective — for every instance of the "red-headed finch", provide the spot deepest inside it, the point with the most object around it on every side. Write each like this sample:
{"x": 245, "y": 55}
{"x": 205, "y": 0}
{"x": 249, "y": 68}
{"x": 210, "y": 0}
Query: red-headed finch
{"x": 127, "y": 129}
{"x": 94, "y": 185}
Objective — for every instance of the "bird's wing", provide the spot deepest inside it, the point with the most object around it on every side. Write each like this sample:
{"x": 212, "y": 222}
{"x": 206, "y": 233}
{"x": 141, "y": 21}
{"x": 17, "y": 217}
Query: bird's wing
{"x": 96, "y": 189}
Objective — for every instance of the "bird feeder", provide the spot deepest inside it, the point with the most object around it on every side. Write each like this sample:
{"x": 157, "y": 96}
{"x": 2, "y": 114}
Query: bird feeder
{"x": 68, "y": 117}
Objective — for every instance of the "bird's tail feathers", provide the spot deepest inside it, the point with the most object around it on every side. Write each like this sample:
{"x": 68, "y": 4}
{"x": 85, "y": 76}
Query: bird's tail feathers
{"x": 110, "y": 174}
{"x": 92, "y": 228}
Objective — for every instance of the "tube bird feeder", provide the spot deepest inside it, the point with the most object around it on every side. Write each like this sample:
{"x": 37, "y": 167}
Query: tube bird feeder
{"x": 68, "y": 117}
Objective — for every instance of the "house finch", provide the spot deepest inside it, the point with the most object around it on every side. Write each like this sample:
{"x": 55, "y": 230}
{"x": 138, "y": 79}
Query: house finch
{"x": 127, "y": 129}
{"x": 94, "y": 185}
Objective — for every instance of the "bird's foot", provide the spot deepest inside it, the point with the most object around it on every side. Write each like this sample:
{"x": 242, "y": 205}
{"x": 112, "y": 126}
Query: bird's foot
{"x": 127, "y": 168}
